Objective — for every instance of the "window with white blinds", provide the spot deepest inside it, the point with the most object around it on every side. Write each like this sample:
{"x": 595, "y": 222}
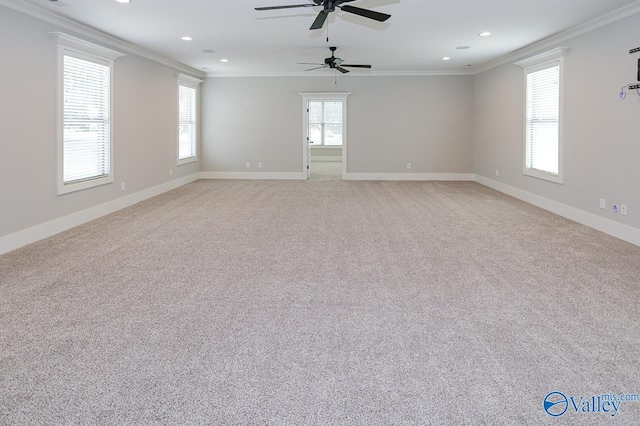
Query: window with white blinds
{"x": 85, "y": 105}
{"x": 543, "y": 119}
{"x": 186, "y": 122}
{"x": 86, "y": 141}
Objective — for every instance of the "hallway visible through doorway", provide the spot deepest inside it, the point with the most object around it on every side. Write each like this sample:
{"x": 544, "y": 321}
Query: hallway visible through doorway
{"x": 326, "y": 170}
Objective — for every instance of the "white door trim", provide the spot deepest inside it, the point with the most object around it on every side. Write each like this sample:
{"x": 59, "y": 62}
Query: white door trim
{"x": 324, "y": 96}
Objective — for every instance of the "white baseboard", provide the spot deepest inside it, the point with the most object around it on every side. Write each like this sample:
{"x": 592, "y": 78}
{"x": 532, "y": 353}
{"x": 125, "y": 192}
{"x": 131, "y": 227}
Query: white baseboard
{"x": 599, "y": 223}
{"x": 254, "y": 175}
{"x": 411, "y": 176}
{"x": 39, "y": 232}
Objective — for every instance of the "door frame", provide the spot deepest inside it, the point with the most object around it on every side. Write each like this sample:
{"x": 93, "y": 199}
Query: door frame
{"x": 323, "y": 96}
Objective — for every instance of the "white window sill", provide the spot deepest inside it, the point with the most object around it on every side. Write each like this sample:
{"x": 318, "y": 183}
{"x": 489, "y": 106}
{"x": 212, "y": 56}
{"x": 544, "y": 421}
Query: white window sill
{"x": 539, "y": 174}
{"x": 187, "y": 160}
{"x": 79, "y": 186}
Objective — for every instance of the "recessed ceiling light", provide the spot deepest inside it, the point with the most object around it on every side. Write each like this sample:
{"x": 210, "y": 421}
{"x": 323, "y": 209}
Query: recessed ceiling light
{"x": 484, "y": 34}
{"x": 446, "y": 58}
{"x": 224, "y": 60}
{"x": 123, "y": 1}
{"x": 186, "y": 38}
{"x": 208, "y": 51}
{"x": 463, "y": 47}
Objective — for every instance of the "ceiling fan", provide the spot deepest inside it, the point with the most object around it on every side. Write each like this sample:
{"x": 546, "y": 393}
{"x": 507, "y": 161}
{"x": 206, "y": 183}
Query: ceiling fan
{"x": 333, "y": 63}
{"x": 330, "y": 6}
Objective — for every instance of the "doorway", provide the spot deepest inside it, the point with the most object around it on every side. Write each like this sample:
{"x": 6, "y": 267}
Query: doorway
{"x": 325, "y": 135}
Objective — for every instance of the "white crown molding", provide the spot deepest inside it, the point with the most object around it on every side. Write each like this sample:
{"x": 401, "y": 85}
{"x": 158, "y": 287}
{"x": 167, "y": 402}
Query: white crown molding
{"x": 350, "y": 75}
{"x": 549, "y": 42}
{"x": 86, "y": 31}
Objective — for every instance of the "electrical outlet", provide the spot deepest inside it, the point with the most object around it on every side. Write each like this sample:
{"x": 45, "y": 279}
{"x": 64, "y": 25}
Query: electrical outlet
{"x": 259, "y": 165}
{"x": 497, "y": 172}
{"x": 623, "y": 209}
{"x": 408, "y": 166}
{"x": 122, "y": 186}
{"x": 615, "y": 208}
{"x": 170, "y": 172}
{"x": 603, "y": 204}
{"x": 248, "y": 165}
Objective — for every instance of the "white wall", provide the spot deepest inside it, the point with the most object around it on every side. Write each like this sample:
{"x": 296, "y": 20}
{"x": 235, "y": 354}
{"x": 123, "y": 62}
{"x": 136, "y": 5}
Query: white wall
{"x": 601, "y": 132}
{"x": 145, "y": 111}
{"x": 424, "y": 120}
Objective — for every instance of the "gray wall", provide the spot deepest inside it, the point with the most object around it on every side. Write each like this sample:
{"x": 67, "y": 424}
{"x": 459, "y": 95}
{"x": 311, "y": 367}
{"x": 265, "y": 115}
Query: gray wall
{"x": 426, "y": 121}
{"x": 326, "y": 152}
{"x": 601, "y": 132}
{"x": 145, "y": 111}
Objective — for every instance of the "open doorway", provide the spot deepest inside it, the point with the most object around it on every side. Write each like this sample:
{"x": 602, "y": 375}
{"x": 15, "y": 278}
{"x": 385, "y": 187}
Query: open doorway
{"x": 325, "y": 131}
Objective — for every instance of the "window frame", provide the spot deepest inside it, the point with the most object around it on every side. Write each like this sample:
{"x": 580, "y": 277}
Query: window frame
{"x": 323, "y": 123}
{"x": 531, "y": 65}
{"x": 191, "y": 83}
{"x": 87, "y": 51}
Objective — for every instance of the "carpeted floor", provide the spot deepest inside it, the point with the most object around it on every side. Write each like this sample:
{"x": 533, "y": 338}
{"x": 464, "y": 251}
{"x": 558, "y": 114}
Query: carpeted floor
{"x": 319, "y": 302}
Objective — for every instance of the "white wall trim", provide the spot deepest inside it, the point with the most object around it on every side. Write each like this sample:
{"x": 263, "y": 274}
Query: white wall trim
{"x": 86, "y": 31}
{"x": 599, "y": 223}
{"x": 254, "y": 175}
{"x": 421, "y": 73}
{"x": 549, "y": 42}
{"x": 411, "y": 176}
{"x": 39, "y": 232}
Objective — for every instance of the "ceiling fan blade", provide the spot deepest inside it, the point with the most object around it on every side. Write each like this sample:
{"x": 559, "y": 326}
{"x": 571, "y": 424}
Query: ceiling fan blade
{"x": 342, "y": 70}
{"x": 319, "y": 22}
{"x": 377, "y": 16}
{"x": 356, "y": 66}
{"x": 285, "y": 7}
{"x": 317, "y": 68}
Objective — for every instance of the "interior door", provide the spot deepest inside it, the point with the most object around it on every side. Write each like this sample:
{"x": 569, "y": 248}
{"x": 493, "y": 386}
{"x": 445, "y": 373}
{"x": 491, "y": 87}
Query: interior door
{"x": 308, "y": 144}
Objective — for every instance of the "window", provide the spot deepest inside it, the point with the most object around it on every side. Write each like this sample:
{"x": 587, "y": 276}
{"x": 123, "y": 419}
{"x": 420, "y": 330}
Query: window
{"x": 542, "y": 150}
{"x": 187, "y": 119}
{"x": 325, "y": 123}
{"x": 85, "y": 142}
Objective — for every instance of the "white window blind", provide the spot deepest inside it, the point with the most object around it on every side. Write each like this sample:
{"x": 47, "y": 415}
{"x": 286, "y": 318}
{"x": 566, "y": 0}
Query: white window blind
{"x": 543, "y": 118}
{"x": 86, "y": 115}
{"x": 186, "y": 122}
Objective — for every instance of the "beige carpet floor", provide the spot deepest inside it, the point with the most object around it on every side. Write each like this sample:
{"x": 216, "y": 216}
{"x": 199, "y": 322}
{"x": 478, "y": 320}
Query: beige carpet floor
{"x": 319, "y": 302}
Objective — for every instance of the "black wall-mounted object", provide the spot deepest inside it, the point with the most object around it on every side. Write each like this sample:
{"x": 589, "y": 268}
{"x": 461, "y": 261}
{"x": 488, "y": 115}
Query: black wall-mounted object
{"x": 636, "y": 86}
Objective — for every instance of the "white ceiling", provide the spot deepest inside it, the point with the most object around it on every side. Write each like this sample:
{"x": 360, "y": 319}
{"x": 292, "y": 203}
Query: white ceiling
{"x": 414, "y": 39}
